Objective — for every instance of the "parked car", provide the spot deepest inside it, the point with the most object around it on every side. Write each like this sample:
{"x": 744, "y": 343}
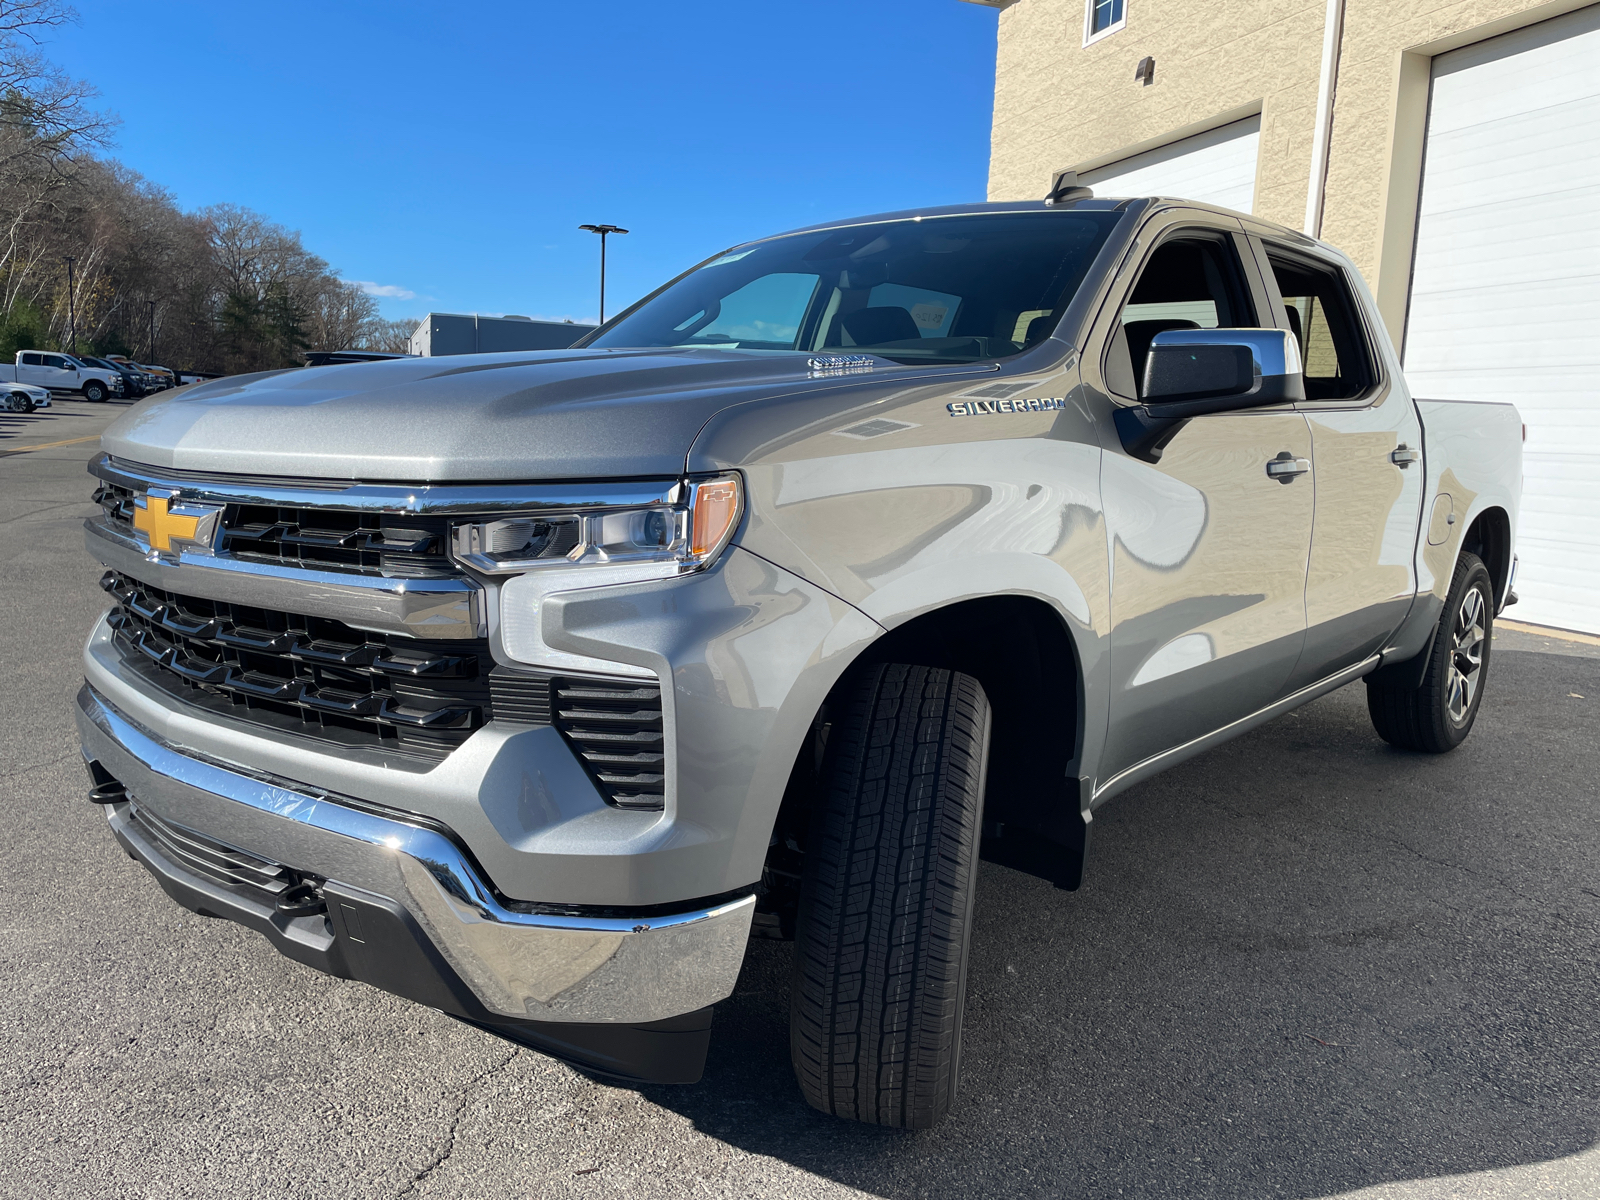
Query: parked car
{"x": 62, "y": 375}
{"x": 24, "y": 397}
{"x": 846, "y": 558}
{"x": 133, "y": 381}
{"x": 152, "y": 380}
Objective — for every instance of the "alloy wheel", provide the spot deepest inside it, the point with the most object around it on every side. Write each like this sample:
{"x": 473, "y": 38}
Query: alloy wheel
{"x": 1466, "y": 656}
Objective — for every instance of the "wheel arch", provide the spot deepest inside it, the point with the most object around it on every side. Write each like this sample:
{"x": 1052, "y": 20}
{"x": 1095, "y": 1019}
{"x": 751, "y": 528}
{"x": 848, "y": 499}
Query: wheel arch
{"x": 1489, "y": 537}
{"x": 1023, "y": 651}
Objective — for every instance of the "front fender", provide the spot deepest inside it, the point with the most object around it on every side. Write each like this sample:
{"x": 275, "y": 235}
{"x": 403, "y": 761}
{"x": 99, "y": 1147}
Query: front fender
{"x": 746, "y": 654}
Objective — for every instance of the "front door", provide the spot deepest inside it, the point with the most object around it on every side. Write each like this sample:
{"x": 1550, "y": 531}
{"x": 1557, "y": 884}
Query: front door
{"x": 1208, "y": 552}
{"x": 58, "y": 374}
{"x": 1366, "y": 438}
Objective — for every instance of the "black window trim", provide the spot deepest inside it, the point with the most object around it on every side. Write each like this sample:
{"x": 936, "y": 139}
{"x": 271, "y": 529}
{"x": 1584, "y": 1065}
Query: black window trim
{"x": 1378, "y": 378}
{"x": 1174, "y": 224}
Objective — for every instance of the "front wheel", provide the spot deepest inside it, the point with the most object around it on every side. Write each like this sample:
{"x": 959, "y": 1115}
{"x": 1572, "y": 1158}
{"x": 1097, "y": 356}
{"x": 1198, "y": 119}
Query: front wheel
{"x": 1437, "y": 715}
{"x": 886, "y": 899}
{"x": 94, "y": 391}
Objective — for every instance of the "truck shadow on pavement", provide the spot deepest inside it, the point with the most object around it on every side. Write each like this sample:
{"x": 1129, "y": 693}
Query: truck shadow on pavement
{"x": 42, "y": 422}
{"x": 1302, "y": 964}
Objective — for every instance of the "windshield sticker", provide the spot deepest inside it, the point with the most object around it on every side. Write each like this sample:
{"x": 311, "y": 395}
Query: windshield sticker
{"x": 840, "y": 364}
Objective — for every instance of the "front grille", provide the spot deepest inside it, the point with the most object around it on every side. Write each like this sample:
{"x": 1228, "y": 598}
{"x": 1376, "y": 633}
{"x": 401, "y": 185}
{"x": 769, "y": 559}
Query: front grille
{"x": 405, "y": 546}
{"x": 235, "y": 869}
{"x": 323, "y": 679}
{"x": 306, "y": 674}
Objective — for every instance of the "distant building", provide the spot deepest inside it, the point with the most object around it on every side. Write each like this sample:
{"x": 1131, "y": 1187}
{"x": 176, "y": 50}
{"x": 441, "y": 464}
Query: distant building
{"x": 468, "y": 333}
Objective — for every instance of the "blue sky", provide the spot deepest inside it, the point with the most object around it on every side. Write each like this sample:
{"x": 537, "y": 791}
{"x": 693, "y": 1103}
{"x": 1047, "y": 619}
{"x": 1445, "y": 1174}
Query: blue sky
{"x": 451, "y": 151}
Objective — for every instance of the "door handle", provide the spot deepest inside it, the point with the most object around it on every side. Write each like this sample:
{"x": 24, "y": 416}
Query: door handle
{"x": 1286, "y": 468}
{"x": 1404, "y": 456}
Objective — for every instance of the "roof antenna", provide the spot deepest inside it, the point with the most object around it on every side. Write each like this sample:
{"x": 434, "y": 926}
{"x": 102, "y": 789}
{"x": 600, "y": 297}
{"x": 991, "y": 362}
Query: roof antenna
{"x": 1064, "y": 186}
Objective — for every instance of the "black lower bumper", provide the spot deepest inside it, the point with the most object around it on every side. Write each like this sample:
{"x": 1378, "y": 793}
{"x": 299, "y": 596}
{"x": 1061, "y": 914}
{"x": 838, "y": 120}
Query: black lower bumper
{"x": 370, "y": 938}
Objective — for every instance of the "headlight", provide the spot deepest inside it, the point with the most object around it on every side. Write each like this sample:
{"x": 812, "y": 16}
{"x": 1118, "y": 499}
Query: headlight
{"x": 551, "y": 552}
{"x": 682, "y": 534}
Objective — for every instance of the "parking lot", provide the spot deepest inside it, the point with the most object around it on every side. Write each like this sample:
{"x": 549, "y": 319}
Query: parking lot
{"x": 1303, "y": 965}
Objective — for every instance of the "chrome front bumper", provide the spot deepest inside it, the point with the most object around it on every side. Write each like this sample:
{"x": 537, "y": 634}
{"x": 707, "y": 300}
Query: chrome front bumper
{"x": 520, "y": 965}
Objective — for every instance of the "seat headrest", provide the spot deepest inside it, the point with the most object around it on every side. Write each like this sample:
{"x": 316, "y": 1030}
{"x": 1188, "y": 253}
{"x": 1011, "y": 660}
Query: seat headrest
{"x": 1039, "y": 328}
{"x": 875, "y": 326}
{"x": 1293, "y": 314}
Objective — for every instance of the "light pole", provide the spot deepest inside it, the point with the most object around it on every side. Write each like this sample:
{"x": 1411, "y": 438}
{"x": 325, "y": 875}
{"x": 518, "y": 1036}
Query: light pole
{"x": 151, "y": 350}
{"x": 602, "y": 230}
{"x": 72, "y": 309}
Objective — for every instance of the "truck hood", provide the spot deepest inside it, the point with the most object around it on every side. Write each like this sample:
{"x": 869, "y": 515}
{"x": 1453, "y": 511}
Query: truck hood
{"x": 552, "y": 414}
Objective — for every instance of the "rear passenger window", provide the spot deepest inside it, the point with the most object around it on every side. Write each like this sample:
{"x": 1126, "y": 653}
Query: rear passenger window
{"x": 1322, "y": 315}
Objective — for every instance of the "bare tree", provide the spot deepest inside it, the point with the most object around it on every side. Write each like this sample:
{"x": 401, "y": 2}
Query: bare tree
{"x": 223, "y": 289}
{"x": 390, "y": 337}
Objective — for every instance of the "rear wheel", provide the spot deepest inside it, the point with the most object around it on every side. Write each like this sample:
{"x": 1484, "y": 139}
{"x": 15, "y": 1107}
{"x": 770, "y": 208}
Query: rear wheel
{"x": 886, "y": 899}
{"x": 1437, "y": 715}
{"x": 94, "y": 391}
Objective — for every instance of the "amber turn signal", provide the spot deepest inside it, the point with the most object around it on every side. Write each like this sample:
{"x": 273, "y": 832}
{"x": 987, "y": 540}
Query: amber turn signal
{"x": 716, "y": 511}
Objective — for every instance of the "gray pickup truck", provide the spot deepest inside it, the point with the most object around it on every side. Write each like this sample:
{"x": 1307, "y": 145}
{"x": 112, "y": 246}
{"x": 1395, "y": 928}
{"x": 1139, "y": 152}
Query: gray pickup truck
{"x": 532, "y": 686}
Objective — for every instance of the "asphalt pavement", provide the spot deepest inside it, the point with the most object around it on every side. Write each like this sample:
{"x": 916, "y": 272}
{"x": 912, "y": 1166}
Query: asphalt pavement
{"x": 1303, "y": 965}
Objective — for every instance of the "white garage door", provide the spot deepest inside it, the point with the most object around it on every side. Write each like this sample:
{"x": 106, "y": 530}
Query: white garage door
{"x": 1217, "y": 167}
{"x": 1505, "y": 299}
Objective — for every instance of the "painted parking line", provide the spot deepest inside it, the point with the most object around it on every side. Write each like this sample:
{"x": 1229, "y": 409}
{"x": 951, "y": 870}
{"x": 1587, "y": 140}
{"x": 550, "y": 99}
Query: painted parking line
{"x": 50, "y": 445}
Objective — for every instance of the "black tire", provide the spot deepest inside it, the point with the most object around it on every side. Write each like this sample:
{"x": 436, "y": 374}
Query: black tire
{"x": 1437, "y": 715}
{"x": 886, "y": 899}
{"x": 94, "y": 391}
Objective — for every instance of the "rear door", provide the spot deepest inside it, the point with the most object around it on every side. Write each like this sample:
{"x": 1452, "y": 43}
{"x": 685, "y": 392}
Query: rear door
{"x": 31, "y": 368}
{"x": 1366, "y": 441}
{"x": 1208, "y": 553}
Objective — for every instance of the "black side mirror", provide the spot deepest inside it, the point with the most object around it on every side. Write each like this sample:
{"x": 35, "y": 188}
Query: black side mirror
{"x": 1191, "y": 372}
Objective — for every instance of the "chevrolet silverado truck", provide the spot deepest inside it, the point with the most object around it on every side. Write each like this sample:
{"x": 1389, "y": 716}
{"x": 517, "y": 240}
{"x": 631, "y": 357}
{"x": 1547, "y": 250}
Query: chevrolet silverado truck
{"x": 532, "y": 686}
{"x": 62, "y": 374}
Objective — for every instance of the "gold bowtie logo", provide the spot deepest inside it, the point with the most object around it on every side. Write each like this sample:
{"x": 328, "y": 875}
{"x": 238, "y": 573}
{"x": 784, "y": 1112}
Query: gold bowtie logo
{"x": 162, "y": 522}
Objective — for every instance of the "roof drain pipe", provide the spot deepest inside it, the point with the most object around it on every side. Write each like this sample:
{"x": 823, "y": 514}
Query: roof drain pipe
{"x": 1316, "y": 191}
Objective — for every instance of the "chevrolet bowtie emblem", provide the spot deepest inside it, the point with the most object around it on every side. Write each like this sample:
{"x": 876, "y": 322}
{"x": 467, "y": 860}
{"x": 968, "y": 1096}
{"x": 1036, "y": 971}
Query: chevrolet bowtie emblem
{"x": 170, "y": 525}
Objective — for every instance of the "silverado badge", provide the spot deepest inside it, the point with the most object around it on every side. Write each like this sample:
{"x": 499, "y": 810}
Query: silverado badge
{"x": 169, "y": 526}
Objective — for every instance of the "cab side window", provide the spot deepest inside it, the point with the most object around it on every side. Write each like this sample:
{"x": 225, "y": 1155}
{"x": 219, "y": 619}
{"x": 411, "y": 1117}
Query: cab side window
{"x": 1322, "y": 315}
{"x": 1191, "y": 282}
{"x": 32, "y": 360}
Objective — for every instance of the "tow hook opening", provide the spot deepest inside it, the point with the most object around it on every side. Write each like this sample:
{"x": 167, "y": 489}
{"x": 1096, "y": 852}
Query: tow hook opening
{"x": 104, "y": 787}
{"x": 303, "y": 899}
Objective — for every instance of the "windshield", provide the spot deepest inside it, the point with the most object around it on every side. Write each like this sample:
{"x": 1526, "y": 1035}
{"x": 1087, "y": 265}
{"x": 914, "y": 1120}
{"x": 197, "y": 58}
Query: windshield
{"x": 935, "y": 290}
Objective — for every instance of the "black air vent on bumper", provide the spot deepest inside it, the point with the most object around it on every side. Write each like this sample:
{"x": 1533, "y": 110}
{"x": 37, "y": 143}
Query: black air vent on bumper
{"x": 614, "y": 726}
{"x": 235, "y": 869}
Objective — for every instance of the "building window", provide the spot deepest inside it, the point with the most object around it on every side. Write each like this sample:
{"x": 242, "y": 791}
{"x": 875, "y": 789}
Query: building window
{"x": 1103, "y": 17}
